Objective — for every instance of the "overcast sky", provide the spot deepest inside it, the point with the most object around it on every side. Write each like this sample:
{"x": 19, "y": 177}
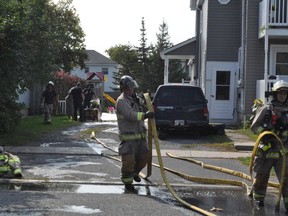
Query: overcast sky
{"x": 107, "y": 23}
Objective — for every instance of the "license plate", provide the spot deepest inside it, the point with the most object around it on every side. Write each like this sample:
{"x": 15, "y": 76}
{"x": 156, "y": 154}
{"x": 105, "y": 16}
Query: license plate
{"x": 179, "y": 122}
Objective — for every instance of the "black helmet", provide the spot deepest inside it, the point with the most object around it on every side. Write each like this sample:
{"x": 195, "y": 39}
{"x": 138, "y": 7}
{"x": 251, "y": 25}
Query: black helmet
{"x": 127, "y": 82}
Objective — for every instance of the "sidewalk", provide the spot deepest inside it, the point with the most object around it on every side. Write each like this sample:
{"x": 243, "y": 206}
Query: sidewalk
{"x": 241, "y": 142}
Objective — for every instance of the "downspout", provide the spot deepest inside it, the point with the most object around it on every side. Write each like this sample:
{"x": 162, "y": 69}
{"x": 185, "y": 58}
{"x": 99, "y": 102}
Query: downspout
{"x": 166, "y": 70}
{"x": 198, "y": 47}
{"x": 243, "y": 57}
{"x": 266, "y": 49}
{"x": 266, "y": 64}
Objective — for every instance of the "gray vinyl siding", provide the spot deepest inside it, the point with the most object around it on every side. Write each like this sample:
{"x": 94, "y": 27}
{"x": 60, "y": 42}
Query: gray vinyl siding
{"x": 224, "y": 31}
{"x": 255, "y": 57}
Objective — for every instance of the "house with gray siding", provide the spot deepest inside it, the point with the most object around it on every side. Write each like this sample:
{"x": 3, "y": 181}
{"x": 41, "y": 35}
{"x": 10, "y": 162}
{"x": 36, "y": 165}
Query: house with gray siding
{"x": 241, "y": 49}
{"x": 99, "y": 72}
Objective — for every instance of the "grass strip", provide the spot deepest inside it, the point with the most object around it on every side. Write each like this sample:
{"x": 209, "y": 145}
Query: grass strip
{"x": 32, "y": 129}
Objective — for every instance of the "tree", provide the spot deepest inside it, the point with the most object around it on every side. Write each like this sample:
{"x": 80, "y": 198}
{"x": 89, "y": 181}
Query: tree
{"x": 143, "y": 74}
{"x": 37, "y": 38}
{"x": 157, "y": 63}
{"x": 126, "y": 56}
{"x": 63, "y": 82}
{"x": 175, "y": 68}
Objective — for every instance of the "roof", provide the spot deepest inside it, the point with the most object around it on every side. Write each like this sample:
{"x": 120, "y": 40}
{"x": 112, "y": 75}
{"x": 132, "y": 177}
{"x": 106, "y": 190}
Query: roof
{"x": 97, "y": 58}
{"x": 184, "y": 49}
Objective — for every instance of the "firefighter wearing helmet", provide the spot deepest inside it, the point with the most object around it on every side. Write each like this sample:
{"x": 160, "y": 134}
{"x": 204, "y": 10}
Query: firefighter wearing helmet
{"x": 133, "y": 147}
{"x": 48, "y": 99}
{"x": 271, "y": 117}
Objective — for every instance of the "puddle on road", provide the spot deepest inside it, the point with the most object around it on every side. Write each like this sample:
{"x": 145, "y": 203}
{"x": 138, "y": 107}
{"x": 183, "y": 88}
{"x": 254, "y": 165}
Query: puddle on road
{"x": 76, "y": 188}
{"x": 233, "y": 201}
{"x": 39, "y": 212}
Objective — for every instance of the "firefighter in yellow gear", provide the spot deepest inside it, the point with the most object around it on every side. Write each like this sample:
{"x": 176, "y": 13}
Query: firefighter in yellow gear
{"x": 10, "y": 165}
{"x": 271, "y": 117}
{"x": 132, "y": 132}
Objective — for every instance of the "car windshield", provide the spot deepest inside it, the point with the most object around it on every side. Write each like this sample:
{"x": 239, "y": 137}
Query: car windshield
{"x": 179, "y": 96}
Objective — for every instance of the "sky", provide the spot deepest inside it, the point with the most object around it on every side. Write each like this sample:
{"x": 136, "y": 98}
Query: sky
{"x": 107, "y": 23}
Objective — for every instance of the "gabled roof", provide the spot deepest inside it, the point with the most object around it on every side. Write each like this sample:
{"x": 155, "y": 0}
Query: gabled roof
{"x": 91, "y": 75}
{"x": 97, "y": 58}
{"x": 185, "y": 49}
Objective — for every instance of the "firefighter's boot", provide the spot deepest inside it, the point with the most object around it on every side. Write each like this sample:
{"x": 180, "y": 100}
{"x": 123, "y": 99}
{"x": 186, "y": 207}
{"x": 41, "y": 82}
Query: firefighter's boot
{"x": 129, "y": 187}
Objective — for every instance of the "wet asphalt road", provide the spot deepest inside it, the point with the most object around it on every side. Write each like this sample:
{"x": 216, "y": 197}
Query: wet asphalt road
{"x": 88, "y": 184}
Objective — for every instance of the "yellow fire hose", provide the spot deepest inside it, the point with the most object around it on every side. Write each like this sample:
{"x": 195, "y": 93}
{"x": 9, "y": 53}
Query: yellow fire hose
{"x": 149, "y": 163}
{"x": 108, "y": 97}
{"x": 277, "y": 207}
{"x": 153, "y": 131}
{"x": 156, "y": 141}
{"x": 183, "y": 175}
{"x": 219, "y": 169}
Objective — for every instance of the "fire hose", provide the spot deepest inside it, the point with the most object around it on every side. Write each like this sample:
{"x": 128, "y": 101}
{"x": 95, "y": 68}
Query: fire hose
{"x": 153, "y": 131}
{"x": 255, "y": 149}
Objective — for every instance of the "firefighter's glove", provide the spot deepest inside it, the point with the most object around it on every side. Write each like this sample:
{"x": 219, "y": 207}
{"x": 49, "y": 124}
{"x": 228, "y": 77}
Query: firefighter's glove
{"x": 265, "y": 147}
{"x": 149, "y": 115}
{"x": 42, "y": 105}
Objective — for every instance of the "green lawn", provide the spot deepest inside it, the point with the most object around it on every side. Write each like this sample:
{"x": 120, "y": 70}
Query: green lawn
{"x": 32, "y": 128}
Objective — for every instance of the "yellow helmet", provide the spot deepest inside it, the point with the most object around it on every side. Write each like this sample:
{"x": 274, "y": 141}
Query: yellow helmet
{"x": 280, "y": 85}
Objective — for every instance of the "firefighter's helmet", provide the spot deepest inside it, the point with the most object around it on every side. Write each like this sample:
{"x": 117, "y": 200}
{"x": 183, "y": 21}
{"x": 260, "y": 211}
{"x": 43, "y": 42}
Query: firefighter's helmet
{"x": 280, "y": 85}
{"x": 127, "y": 82}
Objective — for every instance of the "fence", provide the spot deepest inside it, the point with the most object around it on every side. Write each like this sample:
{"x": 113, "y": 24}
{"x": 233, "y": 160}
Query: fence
{"x": 61, "y": 107}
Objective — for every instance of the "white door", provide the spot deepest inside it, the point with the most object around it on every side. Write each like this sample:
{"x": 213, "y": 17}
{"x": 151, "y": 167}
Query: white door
{"x": 222, "y": 93}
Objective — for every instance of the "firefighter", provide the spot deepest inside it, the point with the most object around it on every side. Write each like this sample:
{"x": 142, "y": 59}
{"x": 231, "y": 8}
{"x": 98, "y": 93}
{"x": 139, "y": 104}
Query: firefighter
{"x": 48, "y": 99}
{"x": 271, "y": 117}
{"x": 77, "y": 96}
{"x": 10, "y": 165}
{"x": 132, "y": 132}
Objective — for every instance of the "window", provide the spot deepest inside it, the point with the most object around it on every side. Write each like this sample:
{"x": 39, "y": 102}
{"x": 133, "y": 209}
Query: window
{"x": 282, "y": 63}
{"x": 86, "y": 69}
{"x": 279, "y": 60}
{"x": 105, "y": 70}
{"x": 222, "y": 85}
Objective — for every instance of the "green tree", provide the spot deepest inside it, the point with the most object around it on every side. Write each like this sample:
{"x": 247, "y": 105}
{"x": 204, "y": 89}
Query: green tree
{"x": 143, "y": 74}
{"x": 176, "y": 73}
{"x": 157, "y": 63}
{"x": 127, "y": 57}
{"x": 37, "y": 38}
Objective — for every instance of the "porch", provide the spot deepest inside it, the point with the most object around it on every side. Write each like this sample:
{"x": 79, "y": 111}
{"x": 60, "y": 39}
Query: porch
{"x": 261, "y": 88}
{"x": 273, "y": 18}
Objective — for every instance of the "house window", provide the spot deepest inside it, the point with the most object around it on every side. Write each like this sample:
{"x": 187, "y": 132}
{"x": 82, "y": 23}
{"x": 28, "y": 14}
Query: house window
{"x": 86, "y": 69}
{"x": 222, "y": 85}
{"x": 105, "y": 70}
{"x": 279, "y": 60}
{"x": 282, "y": 63}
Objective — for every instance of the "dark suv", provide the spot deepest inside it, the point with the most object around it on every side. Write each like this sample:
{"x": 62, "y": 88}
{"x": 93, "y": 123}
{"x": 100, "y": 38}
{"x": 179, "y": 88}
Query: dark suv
{"x": 180, "y": 107}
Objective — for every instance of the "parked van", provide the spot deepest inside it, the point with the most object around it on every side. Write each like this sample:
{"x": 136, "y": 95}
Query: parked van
{"x": 180, "y": 107}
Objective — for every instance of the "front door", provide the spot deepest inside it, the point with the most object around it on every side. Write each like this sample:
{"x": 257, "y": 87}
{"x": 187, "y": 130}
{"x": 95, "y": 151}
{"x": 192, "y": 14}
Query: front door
{"x": 222, "y": 94}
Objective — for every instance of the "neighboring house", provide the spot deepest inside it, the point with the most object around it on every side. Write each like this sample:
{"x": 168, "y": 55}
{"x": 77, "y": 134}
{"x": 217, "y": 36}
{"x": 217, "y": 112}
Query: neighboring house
{"x": 99, "y": 71}
{"x": 239, "y": 44}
